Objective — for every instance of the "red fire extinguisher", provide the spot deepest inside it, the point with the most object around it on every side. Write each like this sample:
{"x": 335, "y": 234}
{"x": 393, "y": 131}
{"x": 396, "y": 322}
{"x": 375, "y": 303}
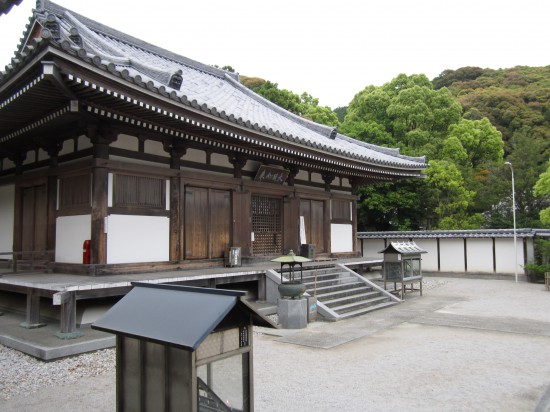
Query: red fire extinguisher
{"x": 86, "y": 255}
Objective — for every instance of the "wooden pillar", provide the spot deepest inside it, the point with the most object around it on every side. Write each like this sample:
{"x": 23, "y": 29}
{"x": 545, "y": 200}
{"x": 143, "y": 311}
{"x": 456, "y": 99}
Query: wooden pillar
{"x": 53, "y": 151}
{"x": 98, "y": 244}
{"x": 176, "y": 150}
{"x": 67, "y": 301}
{"x": 32, "y": 318}
{"x": 354, "y": 228}
{"x": 100, "y": 137}
{"x": 327, "y": 226}
{"x": 291, "y": 233}
{"x": 242, "y": 222}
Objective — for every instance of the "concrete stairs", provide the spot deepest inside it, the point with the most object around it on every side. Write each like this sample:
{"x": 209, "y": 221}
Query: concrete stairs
{"x": 342, "y": 293}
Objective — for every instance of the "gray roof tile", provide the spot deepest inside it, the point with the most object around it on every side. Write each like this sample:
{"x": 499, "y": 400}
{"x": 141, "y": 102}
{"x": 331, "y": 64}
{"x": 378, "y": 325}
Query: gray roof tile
{"x": 210, "y": 89}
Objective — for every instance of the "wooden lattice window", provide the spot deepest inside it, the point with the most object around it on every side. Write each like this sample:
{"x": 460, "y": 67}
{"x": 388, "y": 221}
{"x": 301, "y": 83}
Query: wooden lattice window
{"x": 74, "y": 192}
{"x": 341, "y": 211}
{"x": 267, "y": 226}
{"x": 138, "y": 191}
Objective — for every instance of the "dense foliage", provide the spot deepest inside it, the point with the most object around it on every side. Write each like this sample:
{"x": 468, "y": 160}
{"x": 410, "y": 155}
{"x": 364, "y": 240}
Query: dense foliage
{"x": 517, "y": 102}
{"x": 467, "y": 122}
{"x": 303, "y": 105}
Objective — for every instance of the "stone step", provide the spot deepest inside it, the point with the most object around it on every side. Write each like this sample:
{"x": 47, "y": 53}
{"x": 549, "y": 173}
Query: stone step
{"x": 324, "y": 276}
{"x": 358, "y": 297}
{"x": 321, "y": 290}
{"x": 329, "y": 282}
{"x": 359, "y": 305}
{"x": 335, "y": 294}
{"x": 367, "y": 309}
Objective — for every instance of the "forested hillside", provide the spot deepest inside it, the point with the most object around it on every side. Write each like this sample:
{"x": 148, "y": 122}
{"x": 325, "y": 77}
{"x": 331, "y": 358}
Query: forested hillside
{"x": 517, "y": 102}
{"x": 468, "y": 122}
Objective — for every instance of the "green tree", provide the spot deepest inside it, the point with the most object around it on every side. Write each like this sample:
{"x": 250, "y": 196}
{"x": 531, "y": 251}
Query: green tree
{"x": 408, "y": 113}
{"x": 542, "y": 190}
{"x": 479, "y": 139}
{"x": 303, "y": 105}
{"x": 449, "y": 199}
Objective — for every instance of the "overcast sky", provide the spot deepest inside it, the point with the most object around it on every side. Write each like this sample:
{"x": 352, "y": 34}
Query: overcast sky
{"x": 332, "y": 49}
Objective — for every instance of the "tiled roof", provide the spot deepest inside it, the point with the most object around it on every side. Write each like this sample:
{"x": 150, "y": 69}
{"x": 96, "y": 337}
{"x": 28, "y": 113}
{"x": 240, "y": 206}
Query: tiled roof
{"x": 405, "y": 248}
{"x": 211, "y": 90}
{"x": 459, "y": 234}
{"x": 6, "y": 5}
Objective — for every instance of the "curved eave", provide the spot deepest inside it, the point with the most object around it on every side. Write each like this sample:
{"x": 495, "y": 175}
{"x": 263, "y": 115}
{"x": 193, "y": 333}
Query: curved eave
{"x": 202, "y": 116}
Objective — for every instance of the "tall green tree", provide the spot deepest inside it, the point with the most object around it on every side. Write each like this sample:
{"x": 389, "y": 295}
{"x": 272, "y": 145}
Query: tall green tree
{"x": 303, "y": 105}
{"x": 474, "y": 143}
{"x": 542, "y": 190}
{"x": 408, "y": 113}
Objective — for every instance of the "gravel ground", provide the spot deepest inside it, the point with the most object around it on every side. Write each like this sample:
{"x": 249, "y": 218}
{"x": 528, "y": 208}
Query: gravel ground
{"x": 21, "y": 374}
{"x": 412, "y": 365}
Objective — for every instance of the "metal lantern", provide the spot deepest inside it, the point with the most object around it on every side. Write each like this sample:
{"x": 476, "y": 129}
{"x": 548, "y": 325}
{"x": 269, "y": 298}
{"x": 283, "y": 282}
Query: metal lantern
{"x": 291, "y": 287}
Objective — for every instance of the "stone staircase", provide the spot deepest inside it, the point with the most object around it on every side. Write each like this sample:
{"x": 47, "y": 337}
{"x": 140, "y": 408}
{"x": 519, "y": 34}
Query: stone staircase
{"x": 342, "y": 293}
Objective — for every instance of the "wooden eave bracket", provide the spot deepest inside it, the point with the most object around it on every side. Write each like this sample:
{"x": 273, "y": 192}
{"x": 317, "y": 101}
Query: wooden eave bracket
{"x": 51, "y": 72}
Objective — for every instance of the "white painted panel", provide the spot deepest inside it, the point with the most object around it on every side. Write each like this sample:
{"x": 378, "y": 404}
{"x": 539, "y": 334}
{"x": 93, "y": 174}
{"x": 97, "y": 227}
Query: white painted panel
{"x": 371, "y": 247}
{"x": 480, "y": 255}
{"x": 220, "y": 160}
{"x": 127, "y": 142}
{"x": 134, "y": 239}
{"x": 70, "y": 234}
{"x": 317, "y": 178}
{"x": 452, "y": 255}
{"x": 429, "y": 259}
{"x": 504, "y": 252}
{"x": 194, "y": 155}
{"x": 7, "y": 208}
{"x": 341, "y": 238}
{"x": 83, "y": 143}
{"x": 155, "y": 148}
{"x": 42, "y": 155}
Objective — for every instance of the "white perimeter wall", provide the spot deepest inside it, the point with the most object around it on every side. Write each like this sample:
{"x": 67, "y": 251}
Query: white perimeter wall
{"x": 134, "y": 239}
{"x": 7, "y": 205}
{"x": 429, "y": 260}
{"x": 70, "y": 234}
{"x": 451, "y": 252}
{"x": 341, "y": 238}
{"x": 504, "y": 250}
{"x": 480, "y": 255}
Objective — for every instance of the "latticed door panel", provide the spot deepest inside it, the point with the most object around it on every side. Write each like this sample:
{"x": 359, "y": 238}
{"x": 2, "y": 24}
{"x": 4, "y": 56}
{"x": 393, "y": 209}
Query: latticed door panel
{"x": 266, "y": 225}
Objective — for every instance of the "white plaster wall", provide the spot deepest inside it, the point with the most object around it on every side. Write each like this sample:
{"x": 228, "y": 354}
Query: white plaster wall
{"x": 155, "y": 148}
{"x": 42, "y": 155}
{"x": 7, "y": 164}
{"x": 371, "y": 247}
{"x": 452, "y": 255}
{"x": 83, "y": 143}
{"x": 480, "y": 255}
{"x": 70, "y": 234}
{"x": 194, "y": 155}
{"x": 341, "y": 238}
{"x": 220, "y": 160}
{"x": 127, "y": 142}
{"x": 317, "y": 178}
{"x": 135, "y": 239}
{"x": 68, "y": 147}
{"x": 429, "y": 259}
{"x": 7, "y": 209}
{"x": 504, "y": 252}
